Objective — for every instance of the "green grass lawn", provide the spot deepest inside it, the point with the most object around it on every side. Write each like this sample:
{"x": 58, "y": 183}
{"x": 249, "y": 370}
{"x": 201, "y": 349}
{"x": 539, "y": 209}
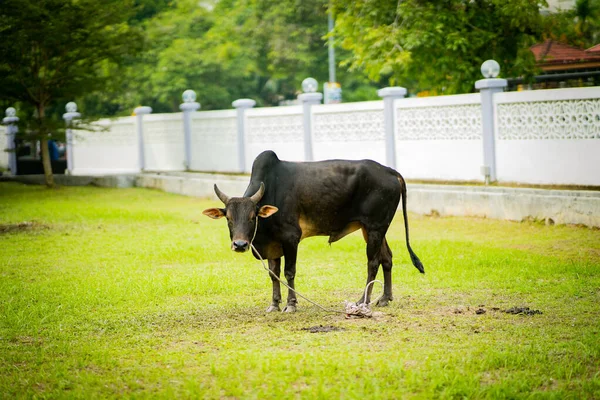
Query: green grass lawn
{"x": 134, "y": 293}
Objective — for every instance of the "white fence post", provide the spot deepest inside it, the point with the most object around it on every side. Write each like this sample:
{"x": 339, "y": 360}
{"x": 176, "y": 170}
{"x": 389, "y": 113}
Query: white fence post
{"x": 308, "y": 99}
{"x": 71, "y": 114}
{"x": 241, "y": 105}
{"x": 139, "y": 114}
{"x": 389, "y": 94}
{"x": 488, "y": 87}
{"x": 188, "y": 106}
{"x": 11, "y": 130}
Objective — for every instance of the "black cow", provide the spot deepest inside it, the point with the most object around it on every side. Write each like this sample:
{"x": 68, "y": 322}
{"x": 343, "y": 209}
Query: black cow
{"x": 295, "y": 200}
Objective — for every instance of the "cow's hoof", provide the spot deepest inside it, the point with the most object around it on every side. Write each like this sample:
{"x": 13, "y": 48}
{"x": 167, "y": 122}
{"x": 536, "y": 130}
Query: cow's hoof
{"x": 289, "y": 308}
{"x": 382, "y": 302}
{"x": 273, "y": 308}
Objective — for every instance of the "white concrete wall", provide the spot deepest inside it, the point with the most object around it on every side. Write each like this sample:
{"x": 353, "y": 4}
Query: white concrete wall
{"x": 439, "y": 137}
{"x": 113, "y": 151}
{"x": 163, "y": 142}
{"x": 274, "y": 128}
{"x": 541, "y": 137}
{"x": 214, "y": 141}
{"x": 351, "y": 131}
{"x": 548, "y": 136}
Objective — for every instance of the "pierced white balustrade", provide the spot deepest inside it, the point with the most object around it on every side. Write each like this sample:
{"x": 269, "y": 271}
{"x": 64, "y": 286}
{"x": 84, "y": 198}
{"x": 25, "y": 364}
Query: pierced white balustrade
{"x": 549, "y": 136}
{"x": 109, "y": 151}
{"x": 439, "y": 137}
{"x": 436, "y": 122}
{"x": 214, "y": 141}
{"x": 213, "y": 128}
{"x": 566, "y": 119}
{"x": 275, "y": 129}
{"x": 163, "y": 128}
{"x": 352, "y": 125}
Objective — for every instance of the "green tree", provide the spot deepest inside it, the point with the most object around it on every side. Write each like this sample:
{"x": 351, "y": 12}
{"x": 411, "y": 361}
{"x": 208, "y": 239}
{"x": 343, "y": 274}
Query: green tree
{"x": 241, "y": 48}
{"x": 57, "y": 50}
{"x": 441, "y": 44}
{"x": 579, "y": 26}
{"x": 225, "y": 50}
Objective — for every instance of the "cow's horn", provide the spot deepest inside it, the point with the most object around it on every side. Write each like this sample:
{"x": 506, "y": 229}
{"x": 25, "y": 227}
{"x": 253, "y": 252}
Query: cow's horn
{"x": 222, "y": 196}
{"x": 259, "y": 194}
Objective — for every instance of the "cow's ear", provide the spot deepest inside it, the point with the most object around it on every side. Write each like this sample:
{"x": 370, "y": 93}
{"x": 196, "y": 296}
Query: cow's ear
{"x": 214, "y": 213}
{"x": 267, "y": 211}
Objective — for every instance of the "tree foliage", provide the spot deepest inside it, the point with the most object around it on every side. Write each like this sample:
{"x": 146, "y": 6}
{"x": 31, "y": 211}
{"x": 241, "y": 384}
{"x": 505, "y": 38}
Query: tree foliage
{"x": 579, "y": 26}
{"x": 224, "y": 51}
{"x": 55, "y": 50}
{"x": 440, "y": 44}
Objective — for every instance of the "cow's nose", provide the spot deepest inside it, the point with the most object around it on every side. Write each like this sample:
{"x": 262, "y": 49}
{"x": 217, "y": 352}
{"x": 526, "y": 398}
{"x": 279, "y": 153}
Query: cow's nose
{"x": 240, "y": 245}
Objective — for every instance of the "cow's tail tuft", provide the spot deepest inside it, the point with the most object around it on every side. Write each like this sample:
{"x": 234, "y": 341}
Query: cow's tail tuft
{"x": 415, "y": 260}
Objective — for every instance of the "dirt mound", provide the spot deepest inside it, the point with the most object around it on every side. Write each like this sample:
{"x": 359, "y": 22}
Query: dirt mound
{"x": 322, "y": 329}
{"x": 522, "y": 310}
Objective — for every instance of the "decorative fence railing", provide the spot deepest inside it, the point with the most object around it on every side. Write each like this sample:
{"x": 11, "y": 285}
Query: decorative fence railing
{"x": 276, "y": 128}
{"x": 439, "y": 136}
{"x": 113, "y": 150}
{"x": 214, "y": 141}
{"x": 549, "y": 136}
{"x": 536, "y": 137}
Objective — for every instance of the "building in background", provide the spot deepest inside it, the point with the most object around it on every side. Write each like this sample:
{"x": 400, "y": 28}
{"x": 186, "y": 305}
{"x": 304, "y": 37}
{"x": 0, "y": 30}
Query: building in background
{"x": 556, "y": 5}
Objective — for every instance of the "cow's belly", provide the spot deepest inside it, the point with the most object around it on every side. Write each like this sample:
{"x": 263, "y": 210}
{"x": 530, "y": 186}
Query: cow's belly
{"x": 312, "y": 228}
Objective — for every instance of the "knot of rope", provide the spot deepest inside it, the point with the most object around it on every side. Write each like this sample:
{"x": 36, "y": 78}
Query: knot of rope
{"x": 354, "y": 310}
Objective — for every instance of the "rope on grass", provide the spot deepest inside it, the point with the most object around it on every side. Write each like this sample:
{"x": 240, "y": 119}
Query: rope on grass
{"x": 353, "y": 310}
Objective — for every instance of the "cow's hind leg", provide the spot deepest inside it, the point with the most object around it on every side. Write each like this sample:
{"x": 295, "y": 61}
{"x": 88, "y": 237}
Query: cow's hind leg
{"x": 386, "y": 265}
{"x": 275, "y": 267}
{"x": 290, "y": 253}
{"x": 375, "y": 242}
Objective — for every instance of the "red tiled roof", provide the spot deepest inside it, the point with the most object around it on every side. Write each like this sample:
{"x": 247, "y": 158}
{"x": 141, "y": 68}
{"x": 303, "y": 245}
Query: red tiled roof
{"x": 551, "y": 52}
{"x": 595, "y": 49}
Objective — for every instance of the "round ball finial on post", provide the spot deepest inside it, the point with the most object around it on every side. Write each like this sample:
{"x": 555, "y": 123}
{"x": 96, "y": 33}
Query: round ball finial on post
{"x": 71, "y": 107}
{"x": 11, "y": 112}
{"x": 71, "y": 113}
{"x": 310, "y": 85}
{"x": 490, "y": 69}
{"x": 189, "y": 96}
{"x": 189, "y": 101}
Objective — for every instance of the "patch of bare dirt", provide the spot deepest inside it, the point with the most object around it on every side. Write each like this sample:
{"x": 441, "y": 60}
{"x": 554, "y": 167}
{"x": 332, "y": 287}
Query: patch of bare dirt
{"x": 26, "y": 226}
{"x": 522, "y": 310}
{"x": 322, "y": 329}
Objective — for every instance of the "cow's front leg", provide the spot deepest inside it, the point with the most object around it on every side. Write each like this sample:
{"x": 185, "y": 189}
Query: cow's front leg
{"x": 275, "y": 268}
{"x": 290, "y": 252}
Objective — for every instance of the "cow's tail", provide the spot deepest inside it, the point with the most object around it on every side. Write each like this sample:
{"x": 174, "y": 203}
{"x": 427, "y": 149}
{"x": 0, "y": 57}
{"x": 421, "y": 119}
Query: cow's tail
{"x": 415, "y": 260}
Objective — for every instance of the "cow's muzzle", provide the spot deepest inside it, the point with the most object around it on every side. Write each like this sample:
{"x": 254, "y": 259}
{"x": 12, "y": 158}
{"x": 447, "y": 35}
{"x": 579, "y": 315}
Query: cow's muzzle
{"x": 240, "y": 246}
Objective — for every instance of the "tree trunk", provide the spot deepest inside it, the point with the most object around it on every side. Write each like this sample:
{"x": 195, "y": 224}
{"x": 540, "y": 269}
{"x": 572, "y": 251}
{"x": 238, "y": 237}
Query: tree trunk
{"x": 46, "y": 163}
{"x": 45, "y": 152}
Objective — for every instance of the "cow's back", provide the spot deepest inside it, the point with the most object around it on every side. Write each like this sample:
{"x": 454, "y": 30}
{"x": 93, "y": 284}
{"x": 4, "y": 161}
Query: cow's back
{"x": 325, "y": 196}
